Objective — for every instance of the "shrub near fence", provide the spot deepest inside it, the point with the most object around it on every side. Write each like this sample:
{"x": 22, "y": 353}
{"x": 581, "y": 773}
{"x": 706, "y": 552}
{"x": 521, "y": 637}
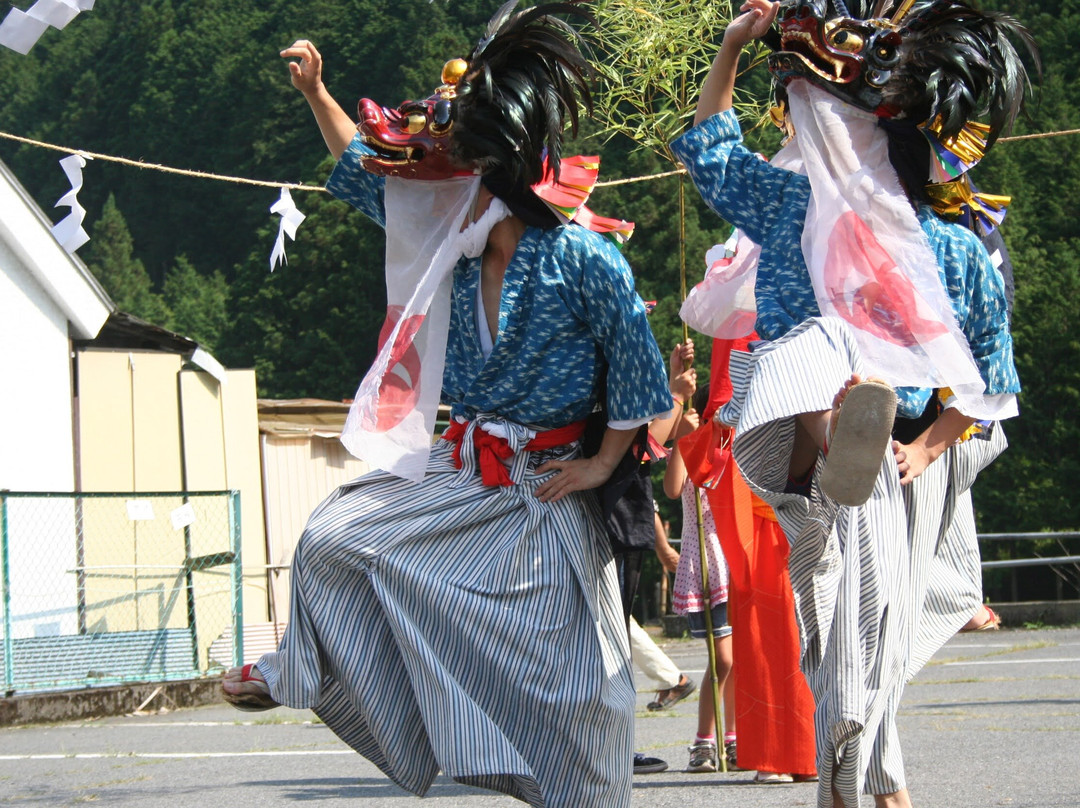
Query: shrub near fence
{"x": 100, "y": 589}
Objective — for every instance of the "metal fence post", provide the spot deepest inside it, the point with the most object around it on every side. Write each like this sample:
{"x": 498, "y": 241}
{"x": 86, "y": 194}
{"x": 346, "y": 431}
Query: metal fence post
{"x": 189, "y": 592}
{"x": 5, "y": 585}
{"x": 237, "y": 579}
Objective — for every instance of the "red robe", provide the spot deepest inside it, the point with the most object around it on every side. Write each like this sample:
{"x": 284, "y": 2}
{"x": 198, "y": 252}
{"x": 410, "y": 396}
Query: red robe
{"x": 774, "y": 709}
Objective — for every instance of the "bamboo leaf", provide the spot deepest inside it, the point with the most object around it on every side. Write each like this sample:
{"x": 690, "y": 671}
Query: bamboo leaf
{"x": 653, "y": 57}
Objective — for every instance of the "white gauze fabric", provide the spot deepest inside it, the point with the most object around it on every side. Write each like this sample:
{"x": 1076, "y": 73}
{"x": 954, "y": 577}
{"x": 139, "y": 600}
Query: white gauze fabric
{"x": 392, "y": 418}
{"x": 869, "y": 260}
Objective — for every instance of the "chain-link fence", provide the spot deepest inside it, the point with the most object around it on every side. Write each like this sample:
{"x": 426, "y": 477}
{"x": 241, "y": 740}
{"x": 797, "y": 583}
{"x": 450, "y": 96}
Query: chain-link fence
{"x": 100, "y": 589}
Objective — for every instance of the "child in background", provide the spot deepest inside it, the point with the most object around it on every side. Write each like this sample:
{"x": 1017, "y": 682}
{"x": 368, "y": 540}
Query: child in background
{"x": 690, "y": 600}
{"x": 774, "y": 707}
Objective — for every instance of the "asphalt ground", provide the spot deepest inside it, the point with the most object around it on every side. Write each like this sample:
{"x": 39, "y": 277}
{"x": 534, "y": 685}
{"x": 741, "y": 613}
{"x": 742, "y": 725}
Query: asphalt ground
{"x": 993, "y": 720}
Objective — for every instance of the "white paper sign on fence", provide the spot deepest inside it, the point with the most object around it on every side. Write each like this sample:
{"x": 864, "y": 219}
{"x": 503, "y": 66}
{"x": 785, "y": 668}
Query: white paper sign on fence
{"x": 140, "y": 510}
{"x": 183, "y": 516}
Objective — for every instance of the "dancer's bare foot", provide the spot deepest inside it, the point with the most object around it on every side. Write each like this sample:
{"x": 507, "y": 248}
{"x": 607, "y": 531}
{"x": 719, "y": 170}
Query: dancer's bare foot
{"x": 860, "y": 432}
{"x": 837, "y": 402}
{"x": 838, "y": 399}
{"x": 814, "y": 431}
{"x": 898, "y": 799}
{"x": 984, "y": 619}
{"x": 245, "y": 689}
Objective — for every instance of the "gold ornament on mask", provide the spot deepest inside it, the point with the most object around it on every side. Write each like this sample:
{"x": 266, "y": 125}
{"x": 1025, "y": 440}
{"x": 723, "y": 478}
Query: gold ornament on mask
{"x": 901, "y": 12}
{"x": 452, "y": 73}
{"x": 782, "y": 121}
{"x": 969, "y": 144}
{"x": 949, "y": 199}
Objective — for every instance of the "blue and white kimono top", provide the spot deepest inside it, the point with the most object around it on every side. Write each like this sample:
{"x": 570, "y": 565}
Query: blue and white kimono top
{"x": 769, "y": 205}
{"x": 568, "y": 307}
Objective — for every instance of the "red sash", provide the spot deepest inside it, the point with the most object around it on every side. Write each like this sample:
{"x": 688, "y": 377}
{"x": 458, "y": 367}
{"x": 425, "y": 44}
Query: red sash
{"x": 492, "y": 450}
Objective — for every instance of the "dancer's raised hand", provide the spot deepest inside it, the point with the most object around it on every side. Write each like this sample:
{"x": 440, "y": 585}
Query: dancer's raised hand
{"x": 753, "y": 23}
{"x": 307, "y": 73}
{"x": 335, "y": 124}
{"x": 716, "y": 92}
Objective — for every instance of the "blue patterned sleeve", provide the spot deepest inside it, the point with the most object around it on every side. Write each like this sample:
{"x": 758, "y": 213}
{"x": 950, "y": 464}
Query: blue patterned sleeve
{"x": 985, "y": 320}
{"x": 737, "y": 184}
{"x": 350, "y": 183}
{"x": 605, "y": 298}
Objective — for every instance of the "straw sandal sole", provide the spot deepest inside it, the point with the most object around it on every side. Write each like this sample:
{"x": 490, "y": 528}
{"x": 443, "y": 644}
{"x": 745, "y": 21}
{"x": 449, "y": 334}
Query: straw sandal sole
{"x": 862, "y": 435}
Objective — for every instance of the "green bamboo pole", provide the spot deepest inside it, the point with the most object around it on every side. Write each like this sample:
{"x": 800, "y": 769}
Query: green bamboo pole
{"x": 714, "y": 680}
{"x": 660, "y": 52}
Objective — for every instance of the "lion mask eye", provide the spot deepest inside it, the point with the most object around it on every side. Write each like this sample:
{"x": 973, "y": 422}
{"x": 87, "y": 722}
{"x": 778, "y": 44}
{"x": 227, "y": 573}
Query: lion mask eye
{"x": 843, "y": 39}
{"x": 414, "y": 122}
{"x": 442, "y": 117}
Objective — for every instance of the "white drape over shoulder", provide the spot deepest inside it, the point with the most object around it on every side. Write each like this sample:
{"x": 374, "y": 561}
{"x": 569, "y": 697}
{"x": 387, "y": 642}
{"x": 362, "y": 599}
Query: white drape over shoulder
{"x": 392, "y": 419}
{"x": 869, "y": 259}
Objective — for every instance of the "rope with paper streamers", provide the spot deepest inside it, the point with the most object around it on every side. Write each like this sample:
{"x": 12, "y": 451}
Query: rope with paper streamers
{"x": 318, "y": 188}
{"x": 185, "y": 172}
{"x": 70, "y": 233}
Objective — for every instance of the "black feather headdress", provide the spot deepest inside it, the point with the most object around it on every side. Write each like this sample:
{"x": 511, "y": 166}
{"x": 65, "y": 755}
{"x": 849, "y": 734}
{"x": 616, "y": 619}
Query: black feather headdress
{"x": 944, "y": 78}
{"x": 959, "y": 64}
{"x": 940, "y": 63}
{"x": 524, "y": 82}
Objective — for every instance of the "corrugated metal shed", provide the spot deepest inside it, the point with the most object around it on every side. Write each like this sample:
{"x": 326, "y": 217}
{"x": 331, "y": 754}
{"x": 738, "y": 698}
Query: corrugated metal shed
{"x": 302, "y": 417}
{"x": 303, "y": 461}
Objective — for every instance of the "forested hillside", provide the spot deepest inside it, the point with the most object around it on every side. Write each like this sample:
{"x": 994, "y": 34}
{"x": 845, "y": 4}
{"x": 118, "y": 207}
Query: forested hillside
{"x": 198, "y": 84}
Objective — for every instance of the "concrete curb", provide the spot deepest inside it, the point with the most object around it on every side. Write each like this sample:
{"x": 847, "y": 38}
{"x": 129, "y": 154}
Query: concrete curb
{"x": 1038, "y": 613}
{"x": 97, "y": 702}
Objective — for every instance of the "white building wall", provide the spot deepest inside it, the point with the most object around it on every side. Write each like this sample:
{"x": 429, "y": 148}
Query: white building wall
{"x": 36, "y": 453}
{"x": 36, "y": 447}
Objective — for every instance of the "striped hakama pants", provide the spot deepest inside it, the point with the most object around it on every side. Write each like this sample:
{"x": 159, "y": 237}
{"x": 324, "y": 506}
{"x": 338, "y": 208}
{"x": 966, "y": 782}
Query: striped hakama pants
{"x": 448, "y": 625}
{"x": 878, "y": 588}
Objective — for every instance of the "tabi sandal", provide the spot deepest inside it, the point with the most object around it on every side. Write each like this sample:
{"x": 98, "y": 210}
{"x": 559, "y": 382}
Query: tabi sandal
{"x": 992, "y": 622}
{"x": 859, "y": 441}
{"x": 251, "y": 702}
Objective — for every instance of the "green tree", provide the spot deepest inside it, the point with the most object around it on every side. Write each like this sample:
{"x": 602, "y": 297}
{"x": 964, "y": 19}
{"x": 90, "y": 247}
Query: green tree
{"x": 310, "y": 328}
{"x": 199, "y": 84}
{"x": 110, "y": 256}
{"x": 1029, "y": 488}
{"x": 198, "y": 303}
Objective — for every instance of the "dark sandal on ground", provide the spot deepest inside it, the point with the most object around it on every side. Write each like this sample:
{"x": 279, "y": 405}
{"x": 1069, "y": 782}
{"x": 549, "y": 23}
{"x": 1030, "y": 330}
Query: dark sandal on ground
{"x": 673, "y": 695}
{"x": 251, "y": 702}
{"x": 858, "y": 444}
